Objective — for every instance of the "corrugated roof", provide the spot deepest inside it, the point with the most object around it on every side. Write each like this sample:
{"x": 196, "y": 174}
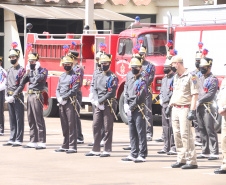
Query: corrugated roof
{"x": 41, "y": 12}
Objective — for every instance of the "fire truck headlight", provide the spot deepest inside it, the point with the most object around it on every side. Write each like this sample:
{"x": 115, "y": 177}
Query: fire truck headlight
{"x": 158, "y": 88}
{"x": 158, "y": 81}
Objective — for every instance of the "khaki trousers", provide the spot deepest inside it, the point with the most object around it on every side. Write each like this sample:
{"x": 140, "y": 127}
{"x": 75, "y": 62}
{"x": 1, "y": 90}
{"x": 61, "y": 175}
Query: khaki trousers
{"x": 183, "y": 136}
{"x": 223, "y": 141}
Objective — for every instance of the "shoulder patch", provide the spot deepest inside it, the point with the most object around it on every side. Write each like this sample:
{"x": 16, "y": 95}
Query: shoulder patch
{"x": 194, "y": 79}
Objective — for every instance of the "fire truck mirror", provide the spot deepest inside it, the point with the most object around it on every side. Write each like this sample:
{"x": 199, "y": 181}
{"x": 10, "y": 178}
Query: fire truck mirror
{"x": 29, "y": 27}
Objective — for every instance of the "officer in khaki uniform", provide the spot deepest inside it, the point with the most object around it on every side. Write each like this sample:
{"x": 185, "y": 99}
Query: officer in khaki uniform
{"x": 183, "y": 104}
{"x": 67, "y": 88}
{"x": 205, "y": 108}
{"x": 36, "y": 77}
{"x": 78, "y": 69}
{"x": 105, "y": 88}
{"x": 15, "y": 104}
{"x": 3, "y": 75}
{"x": 222, "y": 111}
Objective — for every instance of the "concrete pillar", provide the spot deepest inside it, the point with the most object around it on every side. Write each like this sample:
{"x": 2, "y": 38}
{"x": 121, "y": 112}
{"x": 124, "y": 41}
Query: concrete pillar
{"x": 11, "y": 35}
{"x": 182, "y": 4}
{"x": 89, "y": 13}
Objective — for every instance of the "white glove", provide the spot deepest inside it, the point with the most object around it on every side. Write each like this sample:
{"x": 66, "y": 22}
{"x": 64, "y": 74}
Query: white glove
{"x": 96, "y": 103}
{"x": 10, "y": 99}
{"x": 37, "y": 65}
{"x": 126, "y": 107}
{"x": 160, "y": 101}
{"x": 60, "y": 100}
{"x": 91, "y": 96}
{"x": 64, "y": 102}
{"x": 128, "y": 113}
{"x": 101, "y": 107}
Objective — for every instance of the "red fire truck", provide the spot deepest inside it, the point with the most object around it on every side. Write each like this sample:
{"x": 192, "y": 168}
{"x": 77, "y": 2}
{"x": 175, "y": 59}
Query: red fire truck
{"x": 50, "y": 49}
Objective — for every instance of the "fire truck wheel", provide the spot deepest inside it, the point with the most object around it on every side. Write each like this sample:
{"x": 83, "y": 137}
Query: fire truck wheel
{"x": 50, "y": 107}
{"x": 121, "y": 109}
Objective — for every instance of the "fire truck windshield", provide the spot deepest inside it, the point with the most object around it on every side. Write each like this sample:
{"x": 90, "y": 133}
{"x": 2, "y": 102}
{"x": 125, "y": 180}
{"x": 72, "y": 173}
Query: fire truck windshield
{"x": 154, "y": 42}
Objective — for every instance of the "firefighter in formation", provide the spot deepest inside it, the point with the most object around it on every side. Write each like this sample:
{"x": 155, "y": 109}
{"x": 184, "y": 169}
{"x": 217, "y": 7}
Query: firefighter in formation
{"x": 135, "y": 92}
{"x": 98, "y": 70}
{"x": 15, "y": 101}
{"x": 104, "y": 92}
{"x": 66, "y": 93}
{"x": 36, "y": 77}
{"x": 165, "y": 96}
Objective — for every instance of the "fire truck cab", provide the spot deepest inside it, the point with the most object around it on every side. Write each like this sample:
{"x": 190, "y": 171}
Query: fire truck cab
{"x": 50, "y": 49}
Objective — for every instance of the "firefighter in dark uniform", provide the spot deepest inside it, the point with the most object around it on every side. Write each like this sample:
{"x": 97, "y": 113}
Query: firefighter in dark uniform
{"x": 105, "y": 88}
{"x": 95, "y": 73}
{"x": 205, "y": 111}
{"x": 197, "y": 72}
{"x": 135, "y": 95}
{"x": 67, "y": 88}
{"x": 3, "y": 75}
{"x": 222, "y": 111}
{"x": 149, "y": 74}
{"x": 129, "y": 76}
{"x": 165, "y": 95}
{"x": 15, "y": 104}
{"x": 78, "y": 69}
{"x": 36, "y": 77}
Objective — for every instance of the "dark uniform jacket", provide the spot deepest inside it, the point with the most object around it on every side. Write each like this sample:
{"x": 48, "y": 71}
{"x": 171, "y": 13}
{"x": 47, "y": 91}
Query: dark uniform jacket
{"x": 134, "y": 96}
{"x": 129, "y": 76}
{"x": 68, "y": 85}
{"x": 36, "y": 79}
{"x": 102, "y": 91}
{"x": 14, "y": 76}
{"x": 95, "y": 73}
{"x": 165, "y": 91}
{"x": 209, "y": 85}
{"x": 150, "y": 75}
{"x": 78, "y": 69}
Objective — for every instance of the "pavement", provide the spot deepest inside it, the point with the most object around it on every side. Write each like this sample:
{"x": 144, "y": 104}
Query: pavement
{"x": 28, "y": 166}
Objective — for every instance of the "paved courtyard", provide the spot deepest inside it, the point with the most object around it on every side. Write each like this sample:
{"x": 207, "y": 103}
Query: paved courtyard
{"x": 27, "y": 166}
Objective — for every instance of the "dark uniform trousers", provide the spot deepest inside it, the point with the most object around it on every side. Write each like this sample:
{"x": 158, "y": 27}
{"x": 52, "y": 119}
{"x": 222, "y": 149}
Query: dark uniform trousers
{"x": 103, "y": 118}
{"x": 79, "y": 125}
{"x": 137, "y": 131}
{"x": 102, "y": 129}
{"x": 35, "y": 118}
{"x": 69, "y": 125}
{"x": 148, "y": 114}
{"x": 16, "y": 118}
{"x": 207, "y": 131}
{"x": 167, "y": 130}
{"x": 197, "y": 130}
{"x": 2, "y": 100}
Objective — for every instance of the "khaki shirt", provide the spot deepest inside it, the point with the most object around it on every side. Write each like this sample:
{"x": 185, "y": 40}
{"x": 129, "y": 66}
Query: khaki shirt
{"x": 184, "y": 87}
{"x": 221, "y": 98}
